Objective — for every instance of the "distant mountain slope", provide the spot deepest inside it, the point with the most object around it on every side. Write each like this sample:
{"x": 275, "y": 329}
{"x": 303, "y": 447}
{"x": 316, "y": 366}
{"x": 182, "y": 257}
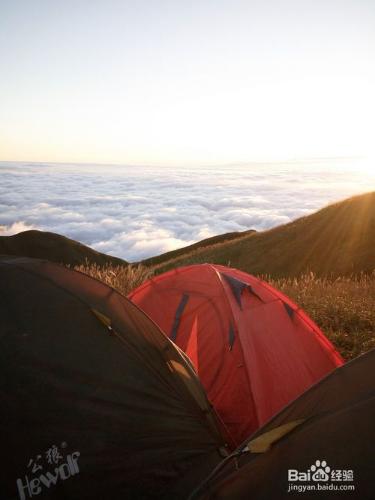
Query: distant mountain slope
{"x": 338, "y": 240}
{"x": 53, "y": 247}
{"x": 153, "y": 261}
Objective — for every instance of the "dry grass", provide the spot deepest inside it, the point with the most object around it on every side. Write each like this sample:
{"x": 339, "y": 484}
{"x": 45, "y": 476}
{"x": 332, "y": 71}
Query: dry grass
{"x": 122, "y": 278}
{"x": 344, "y": 308}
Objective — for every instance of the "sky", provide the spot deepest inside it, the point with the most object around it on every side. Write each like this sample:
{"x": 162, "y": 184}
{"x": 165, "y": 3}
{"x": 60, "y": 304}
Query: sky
{"x": 166, "y": 82}
{"x": 136, "y": 212}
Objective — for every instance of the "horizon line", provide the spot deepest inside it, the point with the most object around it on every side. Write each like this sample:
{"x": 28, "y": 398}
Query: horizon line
{"x": 194, "y": 164}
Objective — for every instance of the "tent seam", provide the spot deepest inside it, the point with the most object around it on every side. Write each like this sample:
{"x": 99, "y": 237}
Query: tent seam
{"x": 217, "y": 273}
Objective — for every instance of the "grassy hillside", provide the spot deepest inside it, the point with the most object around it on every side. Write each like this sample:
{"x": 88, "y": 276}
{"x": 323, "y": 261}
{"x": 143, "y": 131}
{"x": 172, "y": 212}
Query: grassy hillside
{"x": 53, "y": 247}
{"x": 221, "y": 238}
{"x": 337, "y": 240}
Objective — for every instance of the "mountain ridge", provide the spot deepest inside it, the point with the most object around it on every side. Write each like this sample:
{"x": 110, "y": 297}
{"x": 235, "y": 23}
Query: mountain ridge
{"x": 212, "y": 240}
{"x": 54, "y": 247}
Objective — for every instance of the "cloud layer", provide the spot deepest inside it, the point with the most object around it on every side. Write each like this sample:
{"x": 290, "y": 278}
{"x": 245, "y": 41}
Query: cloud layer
{"x": 137, "y": 212}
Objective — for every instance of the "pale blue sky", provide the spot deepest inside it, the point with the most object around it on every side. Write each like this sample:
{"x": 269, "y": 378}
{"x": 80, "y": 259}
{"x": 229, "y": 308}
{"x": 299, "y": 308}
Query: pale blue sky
{"x": 179, "y": 82}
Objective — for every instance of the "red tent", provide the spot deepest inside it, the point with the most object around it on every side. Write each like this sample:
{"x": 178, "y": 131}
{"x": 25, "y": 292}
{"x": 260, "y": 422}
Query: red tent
{"x": 253, "y": 348}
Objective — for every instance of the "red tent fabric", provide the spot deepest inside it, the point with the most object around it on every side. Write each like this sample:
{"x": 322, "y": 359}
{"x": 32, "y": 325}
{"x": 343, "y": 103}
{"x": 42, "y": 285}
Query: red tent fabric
{"x": 253, "y": 348}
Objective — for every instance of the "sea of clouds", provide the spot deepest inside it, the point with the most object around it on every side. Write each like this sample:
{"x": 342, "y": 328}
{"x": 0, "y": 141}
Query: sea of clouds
{"x": 136, "y": 212}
